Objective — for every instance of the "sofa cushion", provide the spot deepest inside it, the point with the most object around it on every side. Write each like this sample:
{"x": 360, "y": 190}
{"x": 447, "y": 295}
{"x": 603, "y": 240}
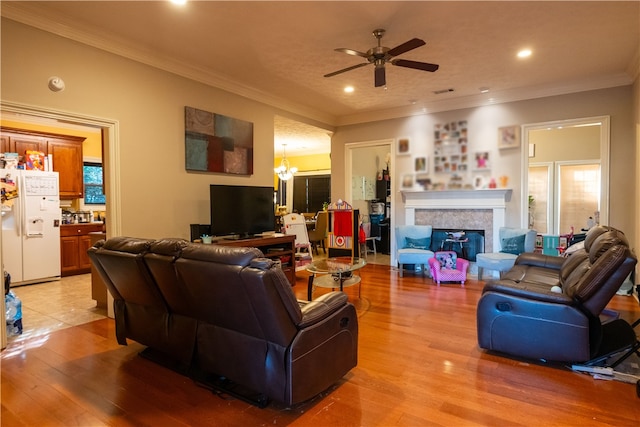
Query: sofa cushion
{"x": 571, "y": 263}
{"x": 129, "y": 245}
{"x": 422, "y": 243}
{"x": 513, "y": 245}
{"x": 532, "y": 274}
{"x": 447, "y": 260}
{"x": 604, "y": 242}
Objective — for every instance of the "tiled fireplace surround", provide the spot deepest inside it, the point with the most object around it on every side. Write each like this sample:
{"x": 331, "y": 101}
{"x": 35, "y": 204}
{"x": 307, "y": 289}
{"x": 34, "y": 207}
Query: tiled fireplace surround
{"x": 459, "y": 210}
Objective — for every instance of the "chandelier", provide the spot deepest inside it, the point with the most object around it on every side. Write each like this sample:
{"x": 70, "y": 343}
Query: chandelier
{"x": 284, "y": 171}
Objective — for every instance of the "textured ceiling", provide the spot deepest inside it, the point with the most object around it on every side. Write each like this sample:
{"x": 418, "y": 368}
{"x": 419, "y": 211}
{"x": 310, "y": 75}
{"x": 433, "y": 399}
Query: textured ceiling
{"x": 278, "y": 52}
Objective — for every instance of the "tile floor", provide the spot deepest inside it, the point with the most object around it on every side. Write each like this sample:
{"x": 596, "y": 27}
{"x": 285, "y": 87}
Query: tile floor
{"x": 56, "y": 305}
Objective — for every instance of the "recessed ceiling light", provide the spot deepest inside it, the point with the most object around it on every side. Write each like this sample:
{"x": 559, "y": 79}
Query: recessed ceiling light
{"x": 349, "y": 89}
{"x": 524, "y": 53}
{"x": 179, "y": 2}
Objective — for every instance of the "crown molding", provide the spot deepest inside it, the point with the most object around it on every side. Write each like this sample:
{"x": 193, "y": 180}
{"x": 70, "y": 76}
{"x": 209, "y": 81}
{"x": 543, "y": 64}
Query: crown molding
{"x": 23, "y": 13}
{"x": 491, "y": 98}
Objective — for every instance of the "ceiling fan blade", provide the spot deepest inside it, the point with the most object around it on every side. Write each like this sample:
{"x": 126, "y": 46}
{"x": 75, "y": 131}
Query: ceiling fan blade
{"x": 406, "y": 47}
{"x": 353, "y": 67}
{"x": 424, "y": 66}
{"x": 351, "y": 52}
{"x": 380, "y": 76}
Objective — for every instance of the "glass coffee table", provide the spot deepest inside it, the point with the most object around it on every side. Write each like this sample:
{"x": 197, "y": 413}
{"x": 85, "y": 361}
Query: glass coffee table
{"x": 336, "y": 272}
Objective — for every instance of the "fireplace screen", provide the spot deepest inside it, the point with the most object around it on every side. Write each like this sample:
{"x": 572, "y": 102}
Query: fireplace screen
{"x": 467, "y": 247}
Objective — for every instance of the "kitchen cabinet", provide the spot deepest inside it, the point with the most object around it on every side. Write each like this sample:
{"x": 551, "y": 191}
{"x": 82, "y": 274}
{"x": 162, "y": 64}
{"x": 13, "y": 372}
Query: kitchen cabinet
{"x": 4, "y": 144}
{"x": 67, "y": 161}
{"x": 75, "y": 240}
{"x": 66, "y": 152}
{"x": 22, "y": 143}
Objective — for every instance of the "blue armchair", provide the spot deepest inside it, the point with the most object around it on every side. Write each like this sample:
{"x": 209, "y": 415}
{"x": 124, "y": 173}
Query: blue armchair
{"x": 413, "y": 244}
{"x": 513, "y": 241}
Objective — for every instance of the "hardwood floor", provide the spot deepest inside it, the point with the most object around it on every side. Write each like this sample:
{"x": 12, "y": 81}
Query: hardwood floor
{"x": 419, "y": 365}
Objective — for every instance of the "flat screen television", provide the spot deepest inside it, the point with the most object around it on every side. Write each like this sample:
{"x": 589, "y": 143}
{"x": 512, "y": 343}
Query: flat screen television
{"x": 241, "y": 210}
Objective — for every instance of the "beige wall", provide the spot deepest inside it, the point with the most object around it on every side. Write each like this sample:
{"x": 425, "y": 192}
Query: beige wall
{"x": 575, "y": 143}
{"x": 158, "y": 197}
{"x": 483, "y": 123}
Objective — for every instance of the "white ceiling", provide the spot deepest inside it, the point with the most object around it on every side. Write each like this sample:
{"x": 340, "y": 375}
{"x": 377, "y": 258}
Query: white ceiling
{"x": 278, "y": 52}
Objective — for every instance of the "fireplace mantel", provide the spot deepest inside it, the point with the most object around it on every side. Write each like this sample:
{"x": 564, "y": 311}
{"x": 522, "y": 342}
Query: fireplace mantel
{"x": 462, "y": 199}
{"x": 494, "y": 199}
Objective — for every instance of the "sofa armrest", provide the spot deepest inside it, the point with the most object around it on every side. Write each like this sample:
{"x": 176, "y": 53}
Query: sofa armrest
{"x": 540, "y": 260}
{"x": 532, "y": 291}
{"x": 321, "y": 308}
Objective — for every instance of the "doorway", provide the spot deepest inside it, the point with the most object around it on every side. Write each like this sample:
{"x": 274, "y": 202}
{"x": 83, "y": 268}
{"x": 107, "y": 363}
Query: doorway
{"x": 565, "y": 173}
{"x": 364, "y": 164}
{"x": 111, "y": 156}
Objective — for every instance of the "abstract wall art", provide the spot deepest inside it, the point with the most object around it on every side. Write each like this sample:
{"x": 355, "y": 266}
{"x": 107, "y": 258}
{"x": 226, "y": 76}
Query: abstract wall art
{"x": 216, "y": 143}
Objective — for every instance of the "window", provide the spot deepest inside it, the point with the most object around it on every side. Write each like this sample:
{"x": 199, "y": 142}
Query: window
{"x": 566, "y": 194}
{"x": 93, "y": 184}
{"x": 310, "y": 192}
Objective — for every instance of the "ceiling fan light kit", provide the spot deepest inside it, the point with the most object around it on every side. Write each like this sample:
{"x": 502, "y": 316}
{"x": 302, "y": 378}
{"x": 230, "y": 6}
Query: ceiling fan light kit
{"x": 380, "y": 55}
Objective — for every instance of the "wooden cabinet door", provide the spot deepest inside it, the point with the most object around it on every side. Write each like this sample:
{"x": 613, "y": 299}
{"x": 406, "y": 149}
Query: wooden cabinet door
{"x": 67, "y": 161}
{"x": 21, "y": 144}
{"x": 69, "y": 254}
{"x": 84, "y": 243}
{"x": 4, "y": 144}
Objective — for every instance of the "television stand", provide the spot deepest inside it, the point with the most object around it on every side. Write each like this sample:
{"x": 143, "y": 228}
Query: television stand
{"x": 247, "y": 237}
{"x": 280, "y": 247}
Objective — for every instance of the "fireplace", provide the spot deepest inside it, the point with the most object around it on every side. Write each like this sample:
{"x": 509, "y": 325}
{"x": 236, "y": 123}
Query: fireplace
{"x": 474, "y": 242}
{"x": 456, "y": 210}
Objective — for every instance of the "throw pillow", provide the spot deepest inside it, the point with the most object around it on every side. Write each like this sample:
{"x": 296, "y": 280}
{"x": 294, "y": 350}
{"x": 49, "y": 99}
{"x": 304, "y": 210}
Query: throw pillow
{"x": 513, "y": 245}
{"x": 447, "y": 260}
{"x": 422, "y": 243}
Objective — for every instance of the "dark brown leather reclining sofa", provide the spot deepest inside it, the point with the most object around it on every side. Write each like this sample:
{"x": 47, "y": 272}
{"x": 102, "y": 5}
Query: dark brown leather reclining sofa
{"x": 551, "y": 308}
{"x": 227, "y": 317}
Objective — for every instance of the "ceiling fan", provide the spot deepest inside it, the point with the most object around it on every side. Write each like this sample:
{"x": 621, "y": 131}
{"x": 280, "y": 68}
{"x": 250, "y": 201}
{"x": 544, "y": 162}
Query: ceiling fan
{"x": 380, "y": 55}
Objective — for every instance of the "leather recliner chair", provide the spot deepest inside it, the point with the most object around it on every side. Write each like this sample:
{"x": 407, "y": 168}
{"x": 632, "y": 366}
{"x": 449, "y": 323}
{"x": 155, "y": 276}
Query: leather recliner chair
{"x": 549, "y": 307}
{"x": 141, "y": 312}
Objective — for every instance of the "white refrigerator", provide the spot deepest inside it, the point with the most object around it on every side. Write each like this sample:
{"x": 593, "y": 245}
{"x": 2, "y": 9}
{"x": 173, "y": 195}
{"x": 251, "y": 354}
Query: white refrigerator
{"x": 31, "y": 226}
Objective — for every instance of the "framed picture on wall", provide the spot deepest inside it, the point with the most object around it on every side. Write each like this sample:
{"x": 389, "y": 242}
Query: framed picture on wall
{"x": 407, "y": 180}
{"x": 482, "y": 160}
{"x": 217, "y": 144}
{"x": 421, "y": 164}
{"x": 509, "y": 137}
{"x": 403, "y": 146}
